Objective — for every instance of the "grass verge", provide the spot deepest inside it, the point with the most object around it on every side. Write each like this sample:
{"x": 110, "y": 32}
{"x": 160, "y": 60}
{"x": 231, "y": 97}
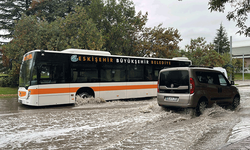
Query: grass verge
{"x": 6, "y": 92}
{"x": 238, "y": 76}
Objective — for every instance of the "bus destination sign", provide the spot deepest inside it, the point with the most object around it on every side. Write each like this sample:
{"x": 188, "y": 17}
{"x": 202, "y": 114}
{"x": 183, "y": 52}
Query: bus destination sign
{"x": 122, "y": 60}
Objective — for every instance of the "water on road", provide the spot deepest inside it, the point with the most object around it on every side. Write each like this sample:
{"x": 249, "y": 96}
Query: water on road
{"x": 138, "y": 124}
{"x": 242, "y": 129}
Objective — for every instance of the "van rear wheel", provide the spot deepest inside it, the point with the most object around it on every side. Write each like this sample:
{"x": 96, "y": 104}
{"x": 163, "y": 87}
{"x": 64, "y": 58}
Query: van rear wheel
{"x": 200, "y": 108}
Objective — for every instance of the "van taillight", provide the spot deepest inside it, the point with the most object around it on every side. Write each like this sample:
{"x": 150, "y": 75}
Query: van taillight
{"x": 192, "y": 86}
{"x": 158, "y": 86}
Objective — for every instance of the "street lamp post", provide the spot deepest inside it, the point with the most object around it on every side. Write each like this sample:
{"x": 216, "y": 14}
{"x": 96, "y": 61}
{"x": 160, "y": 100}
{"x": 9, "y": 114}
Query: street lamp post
{"x": 243, "y": 68}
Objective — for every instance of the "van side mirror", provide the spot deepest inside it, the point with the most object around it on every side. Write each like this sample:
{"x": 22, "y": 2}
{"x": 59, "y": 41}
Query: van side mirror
{"x": 232, "y": 82}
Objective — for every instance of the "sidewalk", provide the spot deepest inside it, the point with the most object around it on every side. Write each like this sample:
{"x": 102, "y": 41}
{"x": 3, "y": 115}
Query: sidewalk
{"x": 243, "y": 144}
{"x": 239, "y": 83}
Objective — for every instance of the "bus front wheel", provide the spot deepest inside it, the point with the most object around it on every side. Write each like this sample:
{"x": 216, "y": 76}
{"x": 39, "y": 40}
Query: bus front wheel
{"x": 84, "y": 95}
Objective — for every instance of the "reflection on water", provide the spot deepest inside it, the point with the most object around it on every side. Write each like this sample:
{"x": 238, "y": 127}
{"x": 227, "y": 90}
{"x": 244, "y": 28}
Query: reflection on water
{"x": 242, "y": 129}
{"x": 8, "y": 105}
{"x": 11, "y": 105}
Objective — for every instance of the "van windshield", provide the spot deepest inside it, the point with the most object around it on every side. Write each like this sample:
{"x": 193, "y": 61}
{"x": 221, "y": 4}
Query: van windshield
{"x": 174, "y": 79}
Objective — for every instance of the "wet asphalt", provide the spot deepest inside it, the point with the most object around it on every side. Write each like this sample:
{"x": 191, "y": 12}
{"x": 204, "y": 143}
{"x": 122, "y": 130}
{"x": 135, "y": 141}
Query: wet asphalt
{"x": 11, "y": 106}
{"x": 242, "y": 144}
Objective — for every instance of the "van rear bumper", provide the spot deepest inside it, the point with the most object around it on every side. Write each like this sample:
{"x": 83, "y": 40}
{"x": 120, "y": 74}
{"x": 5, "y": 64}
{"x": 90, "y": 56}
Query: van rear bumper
{"x": 184, "y": 100}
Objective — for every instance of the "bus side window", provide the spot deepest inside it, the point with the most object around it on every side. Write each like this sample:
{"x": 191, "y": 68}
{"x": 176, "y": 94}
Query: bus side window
{"x": 148, "y": 73}
{"x": 156, "y": 73}
{"x": 135, "y": 73}
{"x": 34, "y": 77}
{"x": 58, "y": 73}
{"x": 45, "y": 74}
{"x": 156, "y": 70}
{"x": 111, "y": 73}
{"x": 119, "y": 74}
{"x": 106, "y": 75}
{"x": 74, "y": 76}
{"x": 51, "y": 73}
{"x": 83, "y": 73}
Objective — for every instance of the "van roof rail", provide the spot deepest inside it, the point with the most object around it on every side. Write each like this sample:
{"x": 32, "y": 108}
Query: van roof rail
{"x": 201, "y": 66}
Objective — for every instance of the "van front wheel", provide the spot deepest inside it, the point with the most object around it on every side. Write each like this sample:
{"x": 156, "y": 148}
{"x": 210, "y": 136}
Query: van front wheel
{"x": 236, "y": 102}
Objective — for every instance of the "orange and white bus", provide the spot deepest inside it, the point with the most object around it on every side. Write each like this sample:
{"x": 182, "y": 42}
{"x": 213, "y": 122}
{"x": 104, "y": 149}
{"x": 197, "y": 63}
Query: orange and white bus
{"x": 56, "y": 77}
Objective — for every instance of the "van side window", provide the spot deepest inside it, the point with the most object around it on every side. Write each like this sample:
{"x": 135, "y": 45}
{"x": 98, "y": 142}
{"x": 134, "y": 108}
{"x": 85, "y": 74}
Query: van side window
{"x": 207, "y": 77}
{"x": 202, "y": 77}
{"x": 223, "y": 81}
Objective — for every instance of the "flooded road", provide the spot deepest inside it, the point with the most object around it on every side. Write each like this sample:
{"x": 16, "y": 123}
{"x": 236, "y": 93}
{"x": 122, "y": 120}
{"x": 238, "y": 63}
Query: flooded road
{"x": 242, "y": 129}
{"x": 113, "y": 125}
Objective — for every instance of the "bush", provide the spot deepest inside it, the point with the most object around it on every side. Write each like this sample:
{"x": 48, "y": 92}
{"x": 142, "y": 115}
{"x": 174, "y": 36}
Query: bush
{"x": 8, "y": 81}
{"x": 3, "y": 82}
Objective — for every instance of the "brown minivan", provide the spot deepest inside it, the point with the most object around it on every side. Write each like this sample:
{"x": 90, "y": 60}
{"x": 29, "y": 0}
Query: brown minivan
{"x": 195, "y": 87}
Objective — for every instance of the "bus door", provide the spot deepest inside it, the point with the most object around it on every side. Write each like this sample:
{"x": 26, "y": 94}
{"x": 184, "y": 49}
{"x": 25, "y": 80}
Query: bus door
{"x": 53, "y": 88}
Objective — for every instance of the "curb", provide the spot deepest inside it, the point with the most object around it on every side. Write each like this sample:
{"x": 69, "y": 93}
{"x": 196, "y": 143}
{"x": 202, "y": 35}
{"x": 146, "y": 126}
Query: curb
{"x": 243, "y": 85}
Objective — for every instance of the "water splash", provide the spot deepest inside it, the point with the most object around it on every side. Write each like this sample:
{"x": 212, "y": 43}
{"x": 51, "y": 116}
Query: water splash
{"x": 82, "y": 101}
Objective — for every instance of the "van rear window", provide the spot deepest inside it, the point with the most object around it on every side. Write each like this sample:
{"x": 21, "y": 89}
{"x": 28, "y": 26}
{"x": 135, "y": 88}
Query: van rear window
{"x": 174, "y": 78}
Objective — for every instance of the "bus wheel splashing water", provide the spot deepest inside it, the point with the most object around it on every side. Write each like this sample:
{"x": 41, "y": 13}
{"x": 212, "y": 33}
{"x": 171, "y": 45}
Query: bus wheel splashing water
{"x": 82, "y": 101}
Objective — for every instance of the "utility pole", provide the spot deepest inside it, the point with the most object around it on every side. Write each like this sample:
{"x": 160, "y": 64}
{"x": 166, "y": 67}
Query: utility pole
{"x": 243, "y": 67}
{"x": 231, "y": 41}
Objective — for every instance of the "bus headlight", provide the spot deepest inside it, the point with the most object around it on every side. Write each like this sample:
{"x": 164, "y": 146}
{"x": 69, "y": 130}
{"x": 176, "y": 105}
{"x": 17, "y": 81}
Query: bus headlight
{"x": 28, "y": 94}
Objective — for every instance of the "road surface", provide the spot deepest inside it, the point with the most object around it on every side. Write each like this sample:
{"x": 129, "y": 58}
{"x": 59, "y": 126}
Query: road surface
{"x": 134, "y": 124}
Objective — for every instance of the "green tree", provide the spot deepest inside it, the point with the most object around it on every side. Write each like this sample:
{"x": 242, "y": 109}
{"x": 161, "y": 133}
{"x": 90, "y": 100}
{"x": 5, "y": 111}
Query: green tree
{"x": 159, "y": 42}
{"x": 52, "y": 9}
{"x": 11, "y": 11}
{"x": 237, "y": 63}
{"x": 75, "y": 31}
{"x": 203, "y": 54}
{"x": 221, "y": 42}
{"x": 2, "y": 67}
{"x": 239, "y": 14}
{"x": 119, "y": 24}
{"x": 22, "y": 42}
{"x": 79, "y": 31}
{"x": 23, "y": 38}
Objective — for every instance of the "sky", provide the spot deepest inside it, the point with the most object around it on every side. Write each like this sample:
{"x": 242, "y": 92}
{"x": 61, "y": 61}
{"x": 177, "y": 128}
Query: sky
{"x": 191, "y": 17}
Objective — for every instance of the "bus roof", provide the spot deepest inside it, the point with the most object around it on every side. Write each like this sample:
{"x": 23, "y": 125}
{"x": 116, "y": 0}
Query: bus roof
{"x": 105, "y": 53}
{"x": 83, "y": 51}
{"x": 180, "y": 58}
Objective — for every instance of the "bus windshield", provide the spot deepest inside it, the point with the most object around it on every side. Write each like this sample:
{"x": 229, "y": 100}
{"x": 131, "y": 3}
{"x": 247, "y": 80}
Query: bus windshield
{"x": 25, "y": 71}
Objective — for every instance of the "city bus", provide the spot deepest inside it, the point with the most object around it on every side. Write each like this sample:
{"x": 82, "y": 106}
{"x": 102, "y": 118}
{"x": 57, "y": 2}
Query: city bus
{"x": 57, "y": 77}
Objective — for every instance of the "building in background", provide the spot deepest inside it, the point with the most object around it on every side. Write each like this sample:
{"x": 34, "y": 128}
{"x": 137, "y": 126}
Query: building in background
{"x": 240, "y": 49}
